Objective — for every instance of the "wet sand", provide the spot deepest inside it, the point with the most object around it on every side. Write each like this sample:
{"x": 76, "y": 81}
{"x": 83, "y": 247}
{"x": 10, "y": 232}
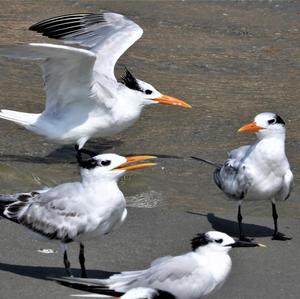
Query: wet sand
{"x": 271, "y": 272}
{"x": 230, "y": 60}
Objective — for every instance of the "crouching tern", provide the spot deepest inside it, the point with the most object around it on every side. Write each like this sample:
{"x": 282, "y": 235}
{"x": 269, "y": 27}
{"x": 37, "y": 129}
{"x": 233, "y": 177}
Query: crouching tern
{"x": 188, "y": 276}
{"x": 259, "y": 171}
{"x": 83, "y": 97}
{"x": 76, "y": 211}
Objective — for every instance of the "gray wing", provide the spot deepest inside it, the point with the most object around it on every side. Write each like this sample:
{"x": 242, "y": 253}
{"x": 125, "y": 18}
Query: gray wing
{"x": 55, "y": 214}
{"x": 67, "y": 71}
{"x": 232, "y": 177}
{"x": 108, "y": 35}
{"x": 165, "y": 274}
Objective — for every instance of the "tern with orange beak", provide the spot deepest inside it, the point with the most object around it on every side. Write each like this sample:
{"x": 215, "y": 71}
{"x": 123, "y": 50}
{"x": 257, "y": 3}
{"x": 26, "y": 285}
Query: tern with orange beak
{"x": 76, "y": 211}
{"x": 83, "y": 97}
{"x": 259, "y": 171}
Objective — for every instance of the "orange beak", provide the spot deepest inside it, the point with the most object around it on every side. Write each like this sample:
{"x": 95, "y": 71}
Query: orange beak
{"x": 133, "y": 159}
{"x": 167, "y": 100}
{"x": 252, "y": 127}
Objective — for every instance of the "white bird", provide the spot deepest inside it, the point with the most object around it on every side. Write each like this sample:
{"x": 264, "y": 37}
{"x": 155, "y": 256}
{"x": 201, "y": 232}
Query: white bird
{"x": 76, "y": 211}
{"x": 259, "y": 171}
{"x": 83, "y": 97}
{"x": 188, "y": 276}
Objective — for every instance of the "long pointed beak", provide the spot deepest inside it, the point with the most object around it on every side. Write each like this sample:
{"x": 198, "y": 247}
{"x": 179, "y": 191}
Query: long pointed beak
{"x": 134, "y": 159}
{"x": 252, "y": 127}
{"x": 239, "y": 243}
{"x": 167, "y": 100}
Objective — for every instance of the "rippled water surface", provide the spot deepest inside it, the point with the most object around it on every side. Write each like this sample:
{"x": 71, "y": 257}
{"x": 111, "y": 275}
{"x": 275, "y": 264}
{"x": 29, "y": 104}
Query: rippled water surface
{"x": 229, "y": 60}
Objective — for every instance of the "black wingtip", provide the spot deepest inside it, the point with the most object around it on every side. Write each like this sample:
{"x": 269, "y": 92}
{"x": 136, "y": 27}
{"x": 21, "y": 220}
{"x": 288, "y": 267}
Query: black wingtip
{"x": 97, "y": 289}
{"x": 64, "y": 25}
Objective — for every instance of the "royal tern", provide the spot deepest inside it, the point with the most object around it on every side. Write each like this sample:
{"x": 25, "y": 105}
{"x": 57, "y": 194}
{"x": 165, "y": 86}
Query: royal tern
{"x": 76, "y": 211}
{"x": 83, "y": 97}
{"x": 188, "y": 276}
{"x": 259, "y": 171}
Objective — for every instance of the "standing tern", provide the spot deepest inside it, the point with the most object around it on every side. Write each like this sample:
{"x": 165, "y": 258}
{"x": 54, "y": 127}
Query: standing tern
{"x": 259, "y": 171}
{"x": 76, "y": 211}
{"x": 188, "y": 276}
{"x": 83, "y": 97}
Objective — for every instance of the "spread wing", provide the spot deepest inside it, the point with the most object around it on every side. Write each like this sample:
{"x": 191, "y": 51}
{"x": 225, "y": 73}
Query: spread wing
{"x": 108, "y": 35}
{"x": 55, "y": 214}
{"x": 67, "y": 71}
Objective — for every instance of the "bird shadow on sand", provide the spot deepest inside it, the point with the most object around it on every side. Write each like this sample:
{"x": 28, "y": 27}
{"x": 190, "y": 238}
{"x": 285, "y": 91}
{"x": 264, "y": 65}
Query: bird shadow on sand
{"x": 46, "y": 273}
{"x": 231, "y": 227}
{"x": 63, "y": 154}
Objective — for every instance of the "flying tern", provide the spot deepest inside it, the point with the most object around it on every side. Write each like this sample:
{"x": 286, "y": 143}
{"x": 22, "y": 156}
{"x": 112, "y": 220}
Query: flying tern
{"x": 188, "y": 276}
{"x": 259, "y": 171}
{"x": 76, "y": 211}
{"x": 83, "y": 97}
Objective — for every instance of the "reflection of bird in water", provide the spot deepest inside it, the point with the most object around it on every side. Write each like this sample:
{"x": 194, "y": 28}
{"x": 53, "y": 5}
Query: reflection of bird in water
{"x": 259, "y": 171}
{"x": 188, "y": 276}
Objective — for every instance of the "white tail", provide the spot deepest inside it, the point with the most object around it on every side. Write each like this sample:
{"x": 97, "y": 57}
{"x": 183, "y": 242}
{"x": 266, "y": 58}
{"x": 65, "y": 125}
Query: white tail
{"x": 21, "y": 118}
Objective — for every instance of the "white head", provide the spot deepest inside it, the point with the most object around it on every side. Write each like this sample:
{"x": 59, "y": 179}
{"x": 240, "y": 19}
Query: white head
{"x": 145, "y": 94}
{"x": 111, "y": 166}
{"x": 266, "y": 124}
{"x": 217, "y": 241}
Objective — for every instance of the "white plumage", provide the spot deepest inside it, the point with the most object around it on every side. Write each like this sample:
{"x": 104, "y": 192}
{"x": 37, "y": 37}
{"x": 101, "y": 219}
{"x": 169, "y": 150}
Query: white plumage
{"x": 259, "y": 171}
{"x": 76, "y": 211}
{"x": 188, "y": 276}
{"x": 83, "y": 97}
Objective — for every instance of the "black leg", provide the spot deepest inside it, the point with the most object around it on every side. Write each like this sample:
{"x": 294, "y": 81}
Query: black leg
{"x": 82, "y": 261}
{"x": 240, "y": 218}
{"x": 277, "y": 235}
{"x": 67, "y": 264}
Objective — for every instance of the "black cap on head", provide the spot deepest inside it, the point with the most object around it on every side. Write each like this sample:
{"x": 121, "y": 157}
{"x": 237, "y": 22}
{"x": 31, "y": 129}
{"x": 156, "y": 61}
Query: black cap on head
{"x": 199, "y": 240}
{"x": 279, "y": 120}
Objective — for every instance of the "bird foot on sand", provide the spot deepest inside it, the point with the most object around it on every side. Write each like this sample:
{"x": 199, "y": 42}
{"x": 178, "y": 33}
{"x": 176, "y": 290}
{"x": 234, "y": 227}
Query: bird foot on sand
{"x": 280, "y": 237}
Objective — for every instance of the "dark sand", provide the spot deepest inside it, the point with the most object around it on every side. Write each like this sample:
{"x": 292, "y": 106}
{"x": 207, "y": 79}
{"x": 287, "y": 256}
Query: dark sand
{"x": 230, "y": 60}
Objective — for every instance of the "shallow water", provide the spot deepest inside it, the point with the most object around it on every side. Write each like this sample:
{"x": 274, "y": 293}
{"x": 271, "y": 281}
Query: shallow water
{"x": 229, "y": 60}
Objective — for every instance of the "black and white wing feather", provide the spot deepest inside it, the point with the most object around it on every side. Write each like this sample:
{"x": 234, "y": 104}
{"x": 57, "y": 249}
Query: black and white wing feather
{"x": 107, "y": 34}
{"x": 46, "y": 213}
{"x": 232, "y": 177}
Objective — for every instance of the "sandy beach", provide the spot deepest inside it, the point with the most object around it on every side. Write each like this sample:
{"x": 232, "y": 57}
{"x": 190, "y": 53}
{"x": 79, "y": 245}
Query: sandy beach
{"x": 230, "y": 60}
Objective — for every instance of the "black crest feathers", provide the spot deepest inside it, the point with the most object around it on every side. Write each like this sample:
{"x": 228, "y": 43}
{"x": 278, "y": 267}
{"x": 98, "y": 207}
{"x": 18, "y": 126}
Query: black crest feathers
{"x": 129, "y": 81}
{"x": 279, "y": 120}
{"x": 199, "y": 240}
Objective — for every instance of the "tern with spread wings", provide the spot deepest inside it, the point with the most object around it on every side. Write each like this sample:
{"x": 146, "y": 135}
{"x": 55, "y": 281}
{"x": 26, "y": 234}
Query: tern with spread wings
{"x": 83, "y": 97}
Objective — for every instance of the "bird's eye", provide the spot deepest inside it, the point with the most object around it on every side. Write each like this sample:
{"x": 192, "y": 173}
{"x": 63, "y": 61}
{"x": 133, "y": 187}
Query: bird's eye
{"x": 271, "y": 121}
{"x": 105, "y": 163}
{"x": 219, "y": 240}
{"x": 148, "y": 91}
